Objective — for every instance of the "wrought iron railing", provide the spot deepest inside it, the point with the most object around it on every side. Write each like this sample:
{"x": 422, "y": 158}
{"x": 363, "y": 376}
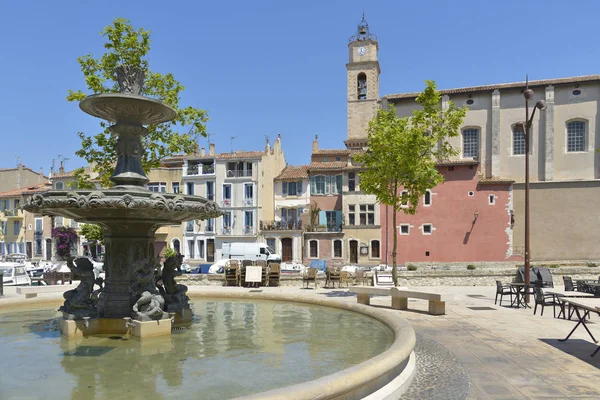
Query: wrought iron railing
{"x": 238, "y": 173}
{"x": 281, "y": 225}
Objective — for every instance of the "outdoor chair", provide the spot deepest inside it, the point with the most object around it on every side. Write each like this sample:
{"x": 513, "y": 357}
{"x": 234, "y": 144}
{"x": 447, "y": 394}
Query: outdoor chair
{"x": 502, "y": 290}
{"x": 232, "y": 273}
{"x": 568, "y": 284}
{"x": 545, "y": 300}
{"x": 345, "y": 278}
{"x": 333, "y": 276}
{"x": 310, "y": 276}
{"x": 360, "y": 277}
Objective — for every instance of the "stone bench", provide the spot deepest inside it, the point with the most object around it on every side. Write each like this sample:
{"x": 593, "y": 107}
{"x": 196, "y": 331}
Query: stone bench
{"x": 400, "y": 296}
{"x": 33, "y": 291}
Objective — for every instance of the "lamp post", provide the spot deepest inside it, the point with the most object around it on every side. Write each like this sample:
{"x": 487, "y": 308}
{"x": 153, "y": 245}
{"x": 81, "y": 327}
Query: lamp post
{"x": 526, "y": 127}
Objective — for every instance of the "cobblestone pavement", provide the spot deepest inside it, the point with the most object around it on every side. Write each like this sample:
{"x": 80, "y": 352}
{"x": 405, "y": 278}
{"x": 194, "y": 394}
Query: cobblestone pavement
{"x": 507, "y": 353}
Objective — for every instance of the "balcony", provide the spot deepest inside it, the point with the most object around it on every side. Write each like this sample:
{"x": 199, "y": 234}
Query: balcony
{"x": 200, "y": 169}
{"x": 239, "y": 173}
{"x": 281, "y": 225}
{"x": 226, "y": 203}
{"x": 13, "y": 213}
{"x": 248, "y": 202}
{"x": 189, "y": 226}
{"x": 226, "y": 230}
{"x": 209, "y": 228}
{"x": 249, "y": 230}
{"x": 330, "y": 228}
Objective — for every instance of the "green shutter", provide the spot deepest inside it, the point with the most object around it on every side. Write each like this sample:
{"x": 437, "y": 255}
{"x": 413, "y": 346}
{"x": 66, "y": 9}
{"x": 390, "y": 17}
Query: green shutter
{"x": 284, "y": 188}
{"x": 299, "y": 188}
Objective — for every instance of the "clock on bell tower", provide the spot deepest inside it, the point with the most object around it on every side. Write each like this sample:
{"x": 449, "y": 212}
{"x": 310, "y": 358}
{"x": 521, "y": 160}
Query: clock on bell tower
{"x": 363, "y": 81}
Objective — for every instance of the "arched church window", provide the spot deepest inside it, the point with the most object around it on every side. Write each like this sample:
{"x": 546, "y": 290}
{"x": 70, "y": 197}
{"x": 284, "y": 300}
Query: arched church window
{"x": 362, "y": 86}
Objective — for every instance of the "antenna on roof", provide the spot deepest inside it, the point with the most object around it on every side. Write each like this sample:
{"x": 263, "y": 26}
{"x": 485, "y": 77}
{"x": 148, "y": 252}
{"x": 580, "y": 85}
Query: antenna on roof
{"x": 18, "y": 159}
{"x": 208, "y": 135}
{"x": 232, "y": 138}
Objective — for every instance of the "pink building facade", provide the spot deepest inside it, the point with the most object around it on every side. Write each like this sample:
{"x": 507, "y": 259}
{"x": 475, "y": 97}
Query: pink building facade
{"x": 464, "y": 219}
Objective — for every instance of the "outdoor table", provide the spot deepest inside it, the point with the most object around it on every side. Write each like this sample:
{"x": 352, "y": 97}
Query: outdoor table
{"x": 586, "y": 305}
{"x": 519, "y": 289}
{"x": 560, "y": 295}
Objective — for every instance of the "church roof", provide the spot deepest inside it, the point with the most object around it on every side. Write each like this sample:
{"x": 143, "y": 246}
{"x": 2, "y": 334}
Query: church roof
{"x": 293, "y": 172}
{"x": 512, "y": 85}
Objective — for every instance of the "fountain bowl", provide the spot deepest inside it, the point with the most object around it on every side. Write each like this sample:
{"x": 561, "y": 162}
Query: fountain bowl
{"x": 124, "y": 107}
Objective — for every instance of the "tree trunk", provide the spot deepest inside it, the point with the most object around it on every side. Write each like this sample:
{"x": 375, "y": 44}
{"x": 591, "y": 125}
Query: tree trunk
{"x": 394, "y": 271}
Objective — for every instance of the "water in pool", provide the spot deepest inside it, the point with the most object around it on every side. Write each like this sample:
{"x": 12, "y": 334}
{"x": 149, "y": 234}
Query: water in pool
{"x": 233, "y": 348}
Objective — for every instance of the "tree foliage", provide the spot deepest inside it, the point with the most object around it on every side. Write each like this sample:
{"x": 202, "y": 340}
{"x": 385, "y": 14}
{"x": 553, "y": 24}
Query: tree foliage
{"x": 81, "y": 179}
{"x": 126, "y": 45}
{"x": 92, "y": 232}
{"x": 400, "y": 164}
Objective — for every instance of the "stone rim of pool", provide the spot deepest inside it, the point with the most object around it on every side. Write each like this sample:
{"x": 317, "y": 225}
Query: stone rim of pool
{"x": 385, "y": 376}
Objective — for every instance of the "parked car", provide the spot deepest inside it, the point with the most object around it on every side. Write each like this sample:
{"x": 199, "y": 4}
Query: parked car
{"x": 186, "y": 268}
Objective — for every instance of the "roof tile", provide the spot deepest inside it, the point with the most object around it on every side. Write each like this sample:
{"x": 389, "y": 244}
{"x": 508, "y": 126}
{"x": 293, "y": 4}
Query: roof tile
{"x": 293, "y": 172}
{"x": 323, "y": 165}
{"x": 40, "y": 187}
{"x": 240, "y": 155}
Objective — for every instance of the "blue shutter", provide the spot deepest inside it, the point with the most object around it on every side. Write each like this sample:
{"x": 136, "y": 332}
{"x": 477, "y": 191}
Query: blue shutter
{"x": 299, "y": 188}
{"x": 338, "y": 182}
{"x": 322, "y": 218}
{"x": 284, "y": 215}
{"x": 338, "y": 219}
{"x": 327, "y": 184}
{"x": 284, "y": 188}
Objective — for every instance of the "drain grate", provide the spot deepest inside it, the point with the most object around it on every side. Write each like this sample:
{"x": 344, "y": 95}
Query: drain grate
{"x": 482, "y": 308}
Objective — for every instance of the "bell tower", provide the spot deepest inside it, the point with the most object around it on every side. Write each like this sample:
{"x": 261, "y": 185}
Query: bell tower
{"x": 363, "y": 83}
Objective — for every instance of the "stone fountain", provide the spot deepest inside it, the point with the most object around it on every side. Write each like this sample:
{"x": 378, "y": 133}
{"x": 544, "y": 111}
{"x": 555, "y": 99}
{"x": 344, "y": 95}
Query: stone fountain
{"x": 130, "y": 214}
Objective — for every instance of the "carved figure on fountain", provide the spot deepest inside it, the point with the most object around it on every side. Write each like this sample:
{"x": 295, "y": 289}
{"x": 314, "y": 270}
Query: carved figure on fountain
{"x": 149, "y": 307}
{"x": 79, "y": 302}
{"x": 149, "y": 304}
{"x": 174, "y": 294}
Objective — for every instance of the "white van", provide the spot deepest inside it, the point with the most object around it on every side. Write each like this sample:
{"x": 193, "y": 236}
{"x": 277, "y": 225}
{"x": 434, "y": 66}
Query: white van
{"x": 14, "y": 274}
{"x": 249, "y": 251}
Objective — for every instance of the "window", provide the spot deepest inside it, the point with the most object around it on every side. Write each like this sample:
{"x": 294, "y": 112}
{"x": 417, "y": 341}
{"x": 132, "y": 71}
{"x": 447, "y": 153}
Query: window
{"x": 291, "y": 188}
{"x": 189, "y": 226}
{"x": 404, "y": 229}
{"x": 226, "y": 194}
{"x": 427, "y": 198}
{"x": 175, "y": 186}
{"x": 210, "y": 190}
{"x": 427, "y": 229}
{"x": 227, "y": 220}
{"x": 351, "y": 214}
{"x": 158, "y": 187}
{"x": 210, "y": 225}
{"x": 404, "y": 201}
{"x": 313, "y": 246}
{"x": 59, "y": 186}
{"x": 249, "y": 221}
{"x": 492, "y": 199}
{"x": 329, "y": 184}
{"x": 191, "y": 249}
{"x": 361, "y": 86}
{"x": 39, "y": 226}
{"x": 4, "y": 204}
{"x": 575, "y": 136}
{"x": 201, "y": 249}
{"x": 16, "y": 227}
{"x": 59, "y": 221}
{"x": 470, "y": 143}
{"x": 518, "y": 142}
{"x": 190, "y": 188}
{"x": 375, "y": 249}
{"x": 17, "y": 203}
{"x": 248, "y": 194}
{"x": 331, "y": 217}
{"x": 367, "y": 214}
{"x": 337, "y": 248}
{"x": 351, "y": 181}
{"x": 271, "y": 243}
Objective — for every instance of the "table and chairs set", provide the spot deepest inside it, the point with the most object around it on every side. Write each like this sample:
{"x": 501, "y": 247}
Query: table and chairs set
{"x": 251, "y": 273}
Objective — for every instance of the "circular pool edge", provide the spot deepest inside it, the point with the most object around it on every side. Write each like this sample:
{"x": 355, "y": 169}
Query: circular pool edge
{"x": 385, "y": 376}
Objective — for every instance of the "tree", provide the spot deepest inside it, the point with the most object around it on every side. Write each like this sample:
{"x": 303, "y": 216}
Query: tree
{"x": 92, "y": 232}
{"x": 81, "y": 179}
{"x": 400, "y": 164}
{"x": 127, "y": 46}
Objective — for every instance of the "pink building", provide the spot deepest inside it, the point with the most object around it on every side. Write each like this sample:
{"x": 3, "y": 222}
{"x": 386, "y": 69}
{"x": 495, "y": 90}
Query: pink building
{"x": 465, "y": 219}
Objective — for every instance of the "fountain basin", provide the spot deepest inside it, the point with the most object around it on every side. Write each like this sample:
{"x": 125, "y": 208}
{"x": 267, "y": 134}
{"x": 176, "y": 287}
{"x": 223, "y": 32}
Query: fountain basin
{"x": 389, "y": 371}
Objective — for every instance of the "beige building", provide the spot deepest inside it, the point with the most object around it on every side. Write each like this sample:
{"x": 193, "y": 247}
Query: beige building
{"x": 22, "y": 231}
{"x": 292, "y": 203}
{"x": 242, "y": 185}
{"x": 19, "y": 177}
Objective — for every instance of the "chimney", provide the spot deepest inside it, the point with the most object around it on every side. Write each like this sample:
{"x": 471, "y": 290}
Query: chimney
{"x": 41, "y": 175}
{"x": 203, "y": 152}
{"x": 61, "y": 169}
{"x": 267, "y": 147}
{"x": 315, "y": 144}
{"x": 211, "y": 149}
{"x": 197, "y": 149}
{"x": 277, "y": 145}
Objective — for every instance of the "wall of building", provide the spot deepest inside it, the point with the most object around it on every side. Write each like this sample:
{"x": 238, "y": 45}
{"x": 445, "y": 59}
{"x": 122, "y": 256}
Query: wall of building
{"x": 456, "y": 234}
{"x": 15, "y": 178}
{"x": 564, "y": 220}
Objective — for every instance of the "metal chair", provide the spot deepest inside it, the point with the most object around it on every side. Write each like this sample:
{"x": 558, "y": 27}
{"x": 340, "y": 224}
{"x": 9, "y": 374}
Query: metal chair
{"x": 569, "y": 287}
{"x": 543, "y": 300}
{"x": 502, "y": 290}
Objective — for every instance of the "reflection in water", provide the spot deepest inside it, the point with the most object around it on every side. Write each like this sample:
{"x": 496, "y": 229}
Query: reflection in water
{"x": 233, "y": 348}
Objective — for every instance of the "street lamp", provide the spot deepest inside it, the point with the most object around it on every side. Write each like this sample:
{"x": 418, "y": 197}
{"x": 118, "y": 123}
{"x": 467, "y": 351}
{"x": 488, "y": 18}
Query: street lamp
{"x": 526, "y": 128}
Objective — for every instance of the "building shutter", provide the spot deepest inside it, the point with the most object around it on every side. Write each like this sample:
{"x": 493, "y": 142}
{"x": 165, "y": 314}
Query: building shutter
{"x": 313, "y": 185}
{"x": 299, "y": 188}
{"x": 284, "y": 188}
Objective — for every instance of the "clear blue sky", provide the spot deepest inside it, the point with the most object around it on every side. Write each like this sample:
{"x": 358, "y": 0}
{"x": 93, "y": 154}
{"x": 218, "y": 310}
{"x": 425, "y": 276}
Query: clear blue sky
{"x": 267, "y": 67}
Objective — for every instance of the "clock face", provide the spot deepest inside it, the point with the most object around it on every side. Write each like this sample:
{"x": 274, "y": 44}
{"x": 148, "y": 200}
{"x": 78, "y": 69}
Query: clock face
{"x": 361, "y": 51}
